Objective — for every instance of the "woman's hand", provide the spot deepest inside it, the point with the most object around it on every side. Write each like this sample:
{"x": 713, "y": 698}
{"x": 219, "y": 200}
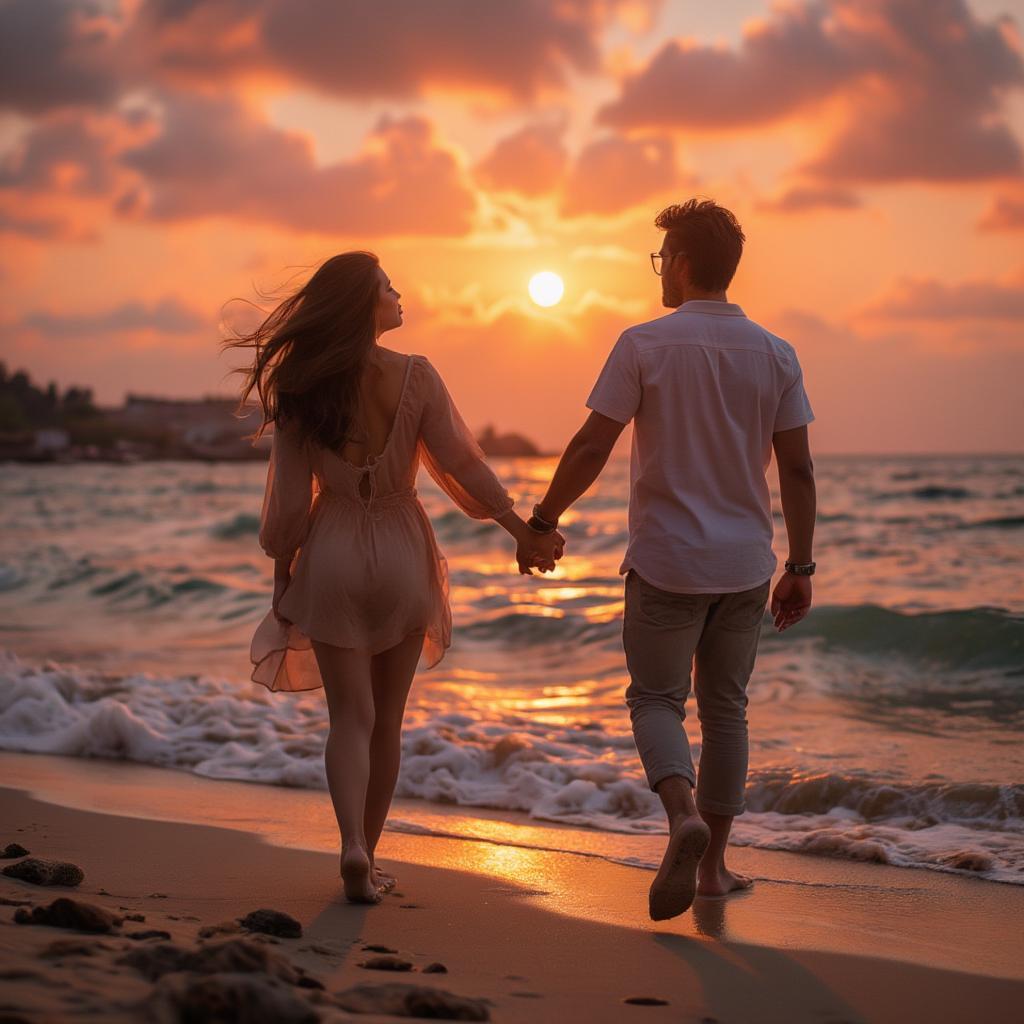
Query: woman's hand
{"x": 539, "y": 550}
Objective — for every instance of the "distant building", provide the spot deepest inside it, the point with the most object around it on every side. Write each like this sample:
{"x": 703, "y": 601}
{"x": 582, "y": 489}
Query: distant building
{"x": 51, "y": 440}
{"x": 203, "y": 428}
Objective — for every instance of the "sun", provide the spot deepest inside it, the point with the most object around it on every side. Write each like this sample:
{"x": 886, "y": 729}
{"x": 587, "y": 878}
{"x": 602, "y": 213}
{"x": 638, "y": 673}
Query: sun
{"x": 546, "y": 288}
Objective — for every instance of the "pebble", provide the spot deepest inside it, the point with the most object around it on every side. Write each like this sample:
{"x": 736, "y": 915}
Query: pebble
{"x": 272, "y": 922}
{"x": 45, "y": 872}
{"x": 228, "y": 997}
{"x": 68, "y": 913}
{"x": 385, "y": 963}
{"x": 399, "y": 1000}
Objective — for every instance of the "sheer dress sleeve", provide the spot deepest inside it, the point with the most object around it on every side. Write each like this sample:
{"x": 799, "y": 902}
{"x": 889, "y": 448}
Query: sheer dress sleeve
{"x": 452, "y": 456}
{"x": 284, "y": 521}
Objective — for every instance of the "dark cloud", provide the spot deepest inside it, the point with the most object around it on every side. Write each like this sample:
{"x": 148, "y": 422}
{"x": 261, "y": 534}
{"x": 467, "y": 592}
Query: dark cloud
{"x": 66, "y": 153}
{"x": 214, "y": 158}
{"x": 400, "y": 47}
{"x": 783, "y": 64}
{"x": 201, "y": 41}
{"x": 803, "y": 198}
{"x": 916, "y": 298}
{"x": 934, "y": 138}
{"x": 916, "y": 87}
{"x": 614, "y": 173}
{"x": 41, "y": 228}
{"x": 56, "y": 53}
{"x": 168, "y": 316}
{"x": 531, "y": 161}
{"x": 78, "y": 53}
{"x": 389, "y": 48}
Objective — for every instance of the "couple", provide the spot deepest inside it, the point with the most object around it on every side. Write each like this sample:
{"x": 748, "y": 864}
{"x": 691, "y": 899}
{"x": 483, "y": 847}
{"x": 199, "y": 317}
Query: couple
{"x": 361, "y": 589}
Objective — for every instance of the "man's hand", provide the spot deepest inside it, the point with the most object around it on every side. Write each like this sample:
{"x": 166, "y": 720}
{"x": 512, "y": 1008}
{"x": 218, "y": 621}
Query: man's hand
{"x": 539, "y": 550}
{"x": 791, "y": 600}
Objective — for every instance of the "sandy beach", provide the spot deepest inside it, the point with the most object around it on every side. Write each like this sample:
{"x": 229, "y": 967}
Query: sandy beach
{"x": 523, "y": 934}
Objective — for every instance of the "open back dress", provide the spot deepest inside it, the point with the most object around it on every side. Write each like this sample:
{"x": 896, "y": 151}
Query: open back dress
{"x": 366, "y": 568}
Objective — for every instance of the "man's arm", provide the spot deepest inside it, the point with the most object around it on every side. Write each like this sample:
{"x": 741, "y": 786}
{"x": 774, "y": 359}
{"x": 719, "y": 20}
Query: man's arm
{"x": 791, "y": 600}
{"x": 581, "y": 464}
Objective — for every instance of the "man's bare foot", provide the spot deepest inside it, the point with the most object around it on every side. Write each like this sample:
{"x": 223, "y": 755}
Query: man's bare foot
{"x": 675, "y": 884}
{"x": 356, "y": 875}
{"x": 721, "y": 882}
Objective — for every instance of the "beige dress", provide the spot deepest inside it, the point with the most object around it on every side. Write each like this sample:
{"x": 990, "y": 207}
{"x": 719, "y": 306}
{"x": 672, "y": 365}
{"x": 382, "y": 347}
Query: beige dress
{"x": 366, "y": 568}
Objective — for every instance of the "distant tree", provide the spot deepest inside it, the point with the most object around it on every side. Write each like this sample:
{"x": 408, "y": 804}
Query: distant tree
{"x": 24, "y": 406}
{"x": 12, "y": 415}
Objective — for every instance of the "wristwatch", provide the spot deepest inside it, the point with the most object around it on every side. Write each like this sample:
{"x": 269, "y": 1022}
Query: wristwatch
{"x": 800, "y": 568}
{"x": 539, "y": 524}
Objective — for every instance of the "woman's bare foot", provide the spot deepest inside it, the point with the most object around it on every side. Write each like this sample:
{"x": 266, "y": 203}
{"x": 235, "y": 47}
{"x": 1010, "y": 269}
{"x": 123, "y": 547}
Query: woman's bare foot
{"x": 720, "y": 882}
{"x": 357, "y": 876}
{"x": 382, "y": 880}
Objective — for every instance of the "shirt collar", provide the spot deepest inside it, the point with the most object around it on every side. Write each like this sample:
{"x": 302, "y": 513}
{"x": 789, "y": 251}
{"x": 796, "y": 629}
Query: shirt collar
{"x": 711, "y": 306}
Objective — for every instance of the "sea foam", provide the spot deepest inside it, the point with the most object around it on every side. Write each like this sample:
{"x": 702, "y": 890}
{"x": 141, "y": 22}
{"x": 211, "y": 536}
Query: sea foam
{"x": 569, "y": 775}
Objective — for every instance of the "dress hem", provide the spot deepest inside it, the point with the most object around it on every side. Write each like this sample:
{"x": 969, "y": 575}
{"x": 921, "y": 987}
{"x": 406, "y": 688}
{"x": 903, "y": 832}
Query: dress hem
{"x": 443, "y": 644}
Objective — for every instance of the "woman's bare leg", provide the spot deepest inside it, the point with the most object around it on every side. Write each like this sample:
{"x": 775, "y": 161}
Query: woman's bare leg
{"x": 347, "y": 682}
{"x": 392, "y": 674}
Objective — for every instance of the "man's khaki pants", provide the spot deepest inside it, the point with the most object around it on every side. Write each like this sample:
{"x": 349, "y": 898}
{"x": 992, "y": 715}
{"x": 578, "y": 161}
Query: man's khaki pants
{"x": 664, "y": 634}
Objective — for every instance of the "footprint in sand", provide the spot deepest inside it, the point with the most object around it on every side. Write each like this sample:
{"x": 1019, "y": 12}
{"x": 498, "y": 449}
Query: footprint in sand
{"x": 385, "y": 963}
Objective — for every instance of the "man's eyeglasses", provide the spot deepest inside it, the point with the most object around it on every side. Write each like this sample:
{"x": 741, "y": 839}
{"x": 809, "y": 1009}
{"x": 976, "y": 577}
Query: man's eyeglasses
{"x": 658, "y": 261}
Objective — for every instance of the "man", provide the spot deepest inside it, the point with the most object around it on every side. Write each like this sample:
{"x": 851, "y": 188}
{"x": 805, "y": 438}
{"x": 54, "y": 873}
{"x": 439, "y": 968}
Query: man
{"x": 710, "y": 394}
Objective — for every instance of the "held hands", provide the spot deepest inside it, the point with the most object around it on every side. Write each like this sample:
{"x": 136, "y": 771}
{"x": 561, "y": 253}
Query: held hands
{"x": 791, "y": 600}
{"x": 538, "y": 550}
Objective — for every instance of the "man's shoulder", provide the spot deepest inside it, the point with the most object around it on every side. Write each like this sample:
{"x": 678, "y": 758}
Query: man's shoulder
{"x": 660, "y": 327}
{"x": 779, "y": 344}
{"x": 681, "y": 326}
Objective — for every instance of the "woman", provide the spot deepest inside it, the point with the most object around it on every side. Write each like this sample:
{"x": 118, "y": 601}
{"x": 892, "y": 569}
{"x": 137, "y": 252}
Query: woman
{"x": 360, "y": 587}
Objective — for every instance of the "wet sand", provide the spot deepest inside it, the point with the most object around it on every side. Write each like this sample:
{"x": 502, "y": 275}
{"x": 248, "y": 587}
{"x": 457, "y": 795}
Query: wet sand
{"x": 528, "y": 934}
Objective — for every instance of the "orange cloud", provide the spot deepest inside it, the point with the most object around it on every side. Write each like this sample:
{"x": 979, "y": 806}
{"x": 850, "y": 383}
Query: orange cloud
{"x": 608, "y": 175}
{"x": 612, "y": 174}
{"x": 531, "y": 161}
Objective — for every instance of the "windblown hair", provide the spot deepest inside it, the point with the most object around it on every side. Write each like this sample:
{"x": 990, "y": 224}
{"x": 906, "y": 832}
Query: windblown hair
{"x": 711, "y": 238}
{"x": 309, "y": 353}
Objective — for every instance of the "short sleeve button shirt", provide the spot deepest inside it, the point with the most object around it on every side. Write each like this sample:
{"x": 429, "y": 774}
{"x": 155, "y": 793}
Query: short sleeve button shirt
{"x": 706, "y": 388}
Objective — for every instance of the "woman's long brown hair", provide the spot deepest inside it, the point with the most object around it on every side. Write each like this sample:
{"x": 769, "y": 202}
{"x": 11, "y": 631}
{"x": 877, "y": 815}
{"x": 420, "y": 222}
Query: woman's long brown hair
{"x": 309, "y": 353}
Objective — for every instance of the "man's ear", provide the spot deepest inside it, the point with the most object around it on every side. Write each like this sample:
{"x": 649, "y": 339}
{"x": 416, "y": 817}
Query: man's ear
{"x": 681, "y": 268}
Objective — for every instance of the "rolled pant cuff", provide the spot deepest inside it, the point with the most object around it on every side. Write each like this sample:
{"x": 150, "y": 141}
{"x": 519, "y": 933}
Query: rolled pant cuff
{"x": 654, "y": 779}
{"x": 717, "y": 807}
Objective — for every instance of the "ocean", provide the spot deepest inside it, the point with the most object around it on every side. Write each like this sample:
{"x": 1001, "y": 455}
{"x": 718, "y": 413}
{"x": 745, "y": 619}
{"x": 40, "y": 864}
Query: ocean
{"x": 887, "y": 727}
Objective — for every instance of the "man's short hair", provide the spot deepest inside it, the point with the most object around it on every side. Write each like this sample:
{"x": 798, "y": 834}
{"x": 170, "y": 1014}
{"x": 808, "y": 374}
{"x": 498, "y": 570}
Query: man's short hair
{"x": 709, "y": 235}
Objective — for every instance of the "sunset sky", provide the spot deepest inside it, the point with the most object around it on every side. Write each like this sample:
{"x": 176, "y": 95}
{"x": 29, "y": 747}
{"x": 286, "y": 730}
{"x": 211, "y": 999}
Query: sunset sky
{"x": 160, "y": 157}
